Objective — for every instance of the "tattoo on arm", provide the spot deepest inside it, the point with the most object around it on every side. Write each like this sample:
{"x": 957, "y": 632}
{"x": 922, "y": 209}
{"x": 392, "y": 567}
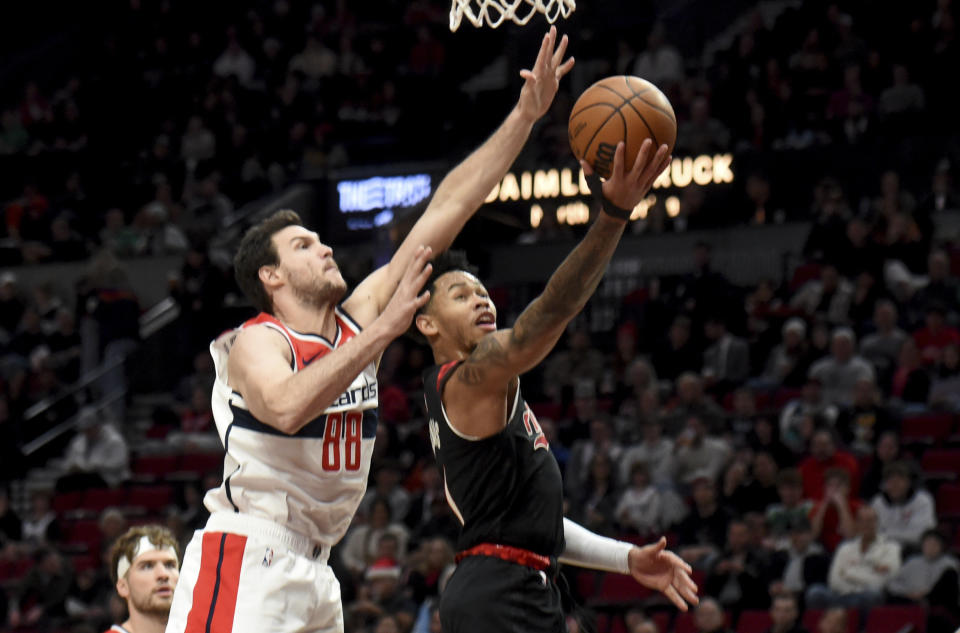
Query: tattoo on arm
{"x": 489, "y": 351}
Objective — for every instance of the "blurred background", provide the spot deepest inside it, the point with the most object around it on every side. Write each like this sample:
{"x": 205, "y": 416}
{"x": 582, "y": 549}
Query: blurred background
{"x": 769, "y": 370}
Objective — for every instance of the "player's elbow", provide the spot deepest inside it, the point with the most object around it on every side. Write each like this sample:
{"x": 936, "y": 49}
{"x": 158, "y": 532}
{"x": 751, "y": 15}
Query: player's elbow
{"x": 280, "y": 415}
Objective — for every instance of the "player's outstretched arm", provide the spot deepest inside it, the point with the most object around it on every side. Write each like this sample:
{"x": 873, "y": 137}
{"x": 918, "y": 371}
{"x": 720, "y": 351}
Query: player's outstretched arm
{"x": 465, "y": 188}
{"x": 653, "y": 566}
{"x": 507, "y": 353}
{"x": 259, "y": 362}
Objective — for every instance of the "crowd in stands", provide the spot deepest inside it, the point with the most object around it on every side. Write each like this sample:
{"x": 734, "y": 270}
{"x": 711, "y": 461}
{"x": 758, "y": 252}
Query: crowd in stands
{"x": 782, "y": 435}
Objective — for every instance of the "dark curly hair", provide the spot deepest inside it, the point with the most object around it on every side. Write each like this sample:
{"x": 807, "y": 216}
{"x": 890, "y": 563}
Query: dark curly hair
{"x": 443, "y": 263}
{"x": 257, "y": 250}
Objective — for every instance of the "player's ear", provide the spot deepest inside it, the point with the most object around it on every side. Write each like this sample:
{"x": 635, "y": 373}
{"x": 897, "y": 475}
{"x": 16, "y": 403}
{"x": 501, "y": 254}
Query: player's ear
{"x": 426, "y": 324}
{"x": 123, "y": 589}
{"x": 269, "y": 276}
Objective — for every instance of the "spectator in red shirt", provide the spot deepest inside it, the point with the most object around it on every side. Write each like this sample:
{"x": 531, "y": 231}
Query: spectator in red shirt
{"x": 832, "y": 518}
{"x": 936, "y": 335}
{"x": 824, "y": 456}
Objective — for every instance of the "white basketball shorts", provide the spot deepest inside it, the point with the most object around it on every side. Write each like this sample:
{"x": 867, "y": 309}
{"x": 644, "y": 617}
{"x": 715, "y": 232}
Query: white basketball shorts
{"x": 243, "y": 574}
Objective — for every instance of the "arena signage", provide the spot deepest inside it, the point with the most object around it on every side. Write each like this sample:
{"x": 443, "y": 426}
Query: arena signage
{"x": 371, "y": 202}
{"x": 560, "y": 184}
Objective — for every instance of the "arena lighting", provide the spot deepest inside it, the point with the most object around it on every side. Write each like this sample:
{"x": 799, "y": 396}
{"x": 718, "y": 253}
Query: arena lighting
{"x": 389, "y": 192}
{"x": 542, "y": 184}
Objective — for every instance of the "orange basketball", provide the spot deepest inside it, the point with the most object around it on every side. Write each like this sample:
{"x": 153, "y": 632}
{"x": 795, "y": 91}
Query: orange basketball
{"x": 621, "y": 108}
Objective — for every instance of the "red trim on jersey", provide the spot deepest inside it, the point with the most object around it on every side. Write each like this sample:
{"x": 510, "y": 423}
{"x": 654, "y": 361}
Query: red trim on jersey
{"x": 443, "y": 372}
{"x": 219, "y": 580}
{"x": 510, "y": 554}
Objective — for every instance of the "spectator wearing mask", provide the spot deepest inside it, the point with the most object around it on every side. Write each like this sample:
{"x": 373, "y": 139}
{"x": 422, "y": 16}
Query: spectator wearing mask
{"x": 833, "y": 515}
{"x": 860, "y": 568}
{"x": 785, "y": 615}
{"x": 840, "y": 371}
{"x": 97, "y": 456}
{"x": 904, "y": 512}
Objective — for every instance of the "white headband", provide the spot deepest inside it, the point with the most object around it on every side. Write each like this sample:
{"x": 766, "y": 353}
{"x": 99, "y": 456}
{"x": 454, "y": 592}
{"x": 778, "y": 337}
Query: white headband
{"x": 144, "y": 546}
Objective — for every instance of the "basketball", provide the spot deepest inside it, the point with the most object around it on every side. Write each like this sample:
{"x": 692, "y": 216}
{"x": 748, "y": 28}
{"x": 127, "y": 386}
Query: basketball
{"x": 621, "y": 108}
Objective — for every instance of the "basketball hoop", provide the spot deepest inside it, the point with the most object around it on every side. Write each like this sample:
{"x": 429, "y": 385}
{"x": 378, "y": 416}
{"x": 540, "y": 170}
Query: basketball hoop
{"x": 494, "y": 12}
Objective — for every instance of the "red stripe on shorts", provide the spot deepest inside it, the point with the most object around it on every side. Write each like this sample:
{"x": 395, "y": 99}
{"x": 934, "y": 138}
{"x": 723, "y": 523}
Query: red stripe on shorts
{"x": 215, "y": 594}
{"x": 230, "y": 566}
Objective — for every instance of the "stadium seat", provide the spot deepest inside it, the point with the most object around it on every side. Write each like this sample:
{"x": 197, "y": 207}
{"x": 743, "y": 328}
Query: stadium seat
{"x": 66, "y": 501}
{"x": 151, "y": 498}
{"x": 201, "y": 463}
{"x": 586, "y": 584}
{"x": 684, "y": 623}
{"x": 753, "y": 621}
{"x": 84, "y": 532}
{"x": 611, "y": 623}
{"x": 931, "y": 428}
{"x": 155, "y": 466}
{"x": 811, "y": 620}
{"x": 618, "y": 588}
{"x": 550, "y": 410}
{"x": 948, "y": 501}
{"x": 98, "y": 499}
{"x": 896, "y": 619}
{"x": 662, "y": 620}
{"x": 940, "y": 462}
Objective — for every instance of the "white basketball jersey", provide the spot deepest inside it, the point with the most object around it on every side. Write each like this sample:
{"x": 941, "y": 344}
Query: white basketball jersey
{"x": 311, "y": 481}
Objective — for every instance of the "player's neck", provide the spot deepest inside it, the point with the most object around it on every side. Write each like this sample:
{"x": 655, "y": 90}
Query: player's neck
{"x": 307, "y": 318}
{"x": 145, "y": 623}
{"x": 444, "y": 352}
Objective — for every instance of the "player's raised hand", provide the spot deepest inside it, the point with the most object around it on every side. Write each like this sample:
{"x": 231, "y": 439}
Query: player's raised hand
{"x": 407, "y": 298}
{"x": 655, "y": 567}
{"x": 626, "y": 188}
{"x": 542, "y": 81}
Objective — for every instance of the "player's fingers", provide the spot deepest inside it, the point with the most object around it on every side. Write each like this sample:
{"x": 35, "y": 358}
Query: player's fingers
{"x": 660, "y": 545}
{"x": 561, "y": 49}
{"x": 690, "y": 585}
{"x": 653, "y": 168}
{"x": 565, "y": 68}
{"x": 689, "y": 590}
{"x": 585, "y": 166}
{"x": 545, "y": 47}
{"x": 643, "y": 156}
{"x": 675, "y": 598}
{"x": 617, "y": 171}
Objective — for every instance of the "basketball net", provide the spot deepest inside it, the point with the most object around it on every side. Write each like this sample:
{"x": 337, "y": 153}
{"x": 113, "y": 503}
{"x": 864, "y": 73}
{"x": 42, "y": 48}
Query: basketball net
{"x": 494, "y": 12}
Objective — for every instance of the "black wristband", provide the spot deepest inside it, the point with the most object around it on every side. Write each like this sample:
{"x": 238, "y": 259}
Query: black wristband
{"x": 596, "y": 188}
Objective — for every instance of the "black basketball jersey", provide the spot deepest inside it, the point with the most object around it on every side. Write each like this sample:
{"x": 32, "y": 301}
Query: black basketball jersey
{"x": 505, "y": 489}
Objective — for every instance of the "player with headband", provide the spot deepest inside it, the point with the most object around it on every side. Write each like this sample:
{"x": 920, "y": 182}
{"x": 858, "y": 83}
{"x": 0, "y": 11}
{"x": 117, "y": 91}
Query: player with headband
{"x": 501, "y": 480}
{"x": 144, "y": 565}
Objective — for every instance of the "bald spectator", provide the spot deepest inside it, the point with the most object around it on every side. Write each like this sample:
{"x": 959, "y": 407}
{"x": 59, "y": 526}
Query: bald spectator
{"x": 904, "y": 510}
{"x": 823, "y": 456}
{"x": 883, "y": 346}
{"x": 840, "y": 371}
{"x": 860, "y": 569}
{"x": 709, "y": 617}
